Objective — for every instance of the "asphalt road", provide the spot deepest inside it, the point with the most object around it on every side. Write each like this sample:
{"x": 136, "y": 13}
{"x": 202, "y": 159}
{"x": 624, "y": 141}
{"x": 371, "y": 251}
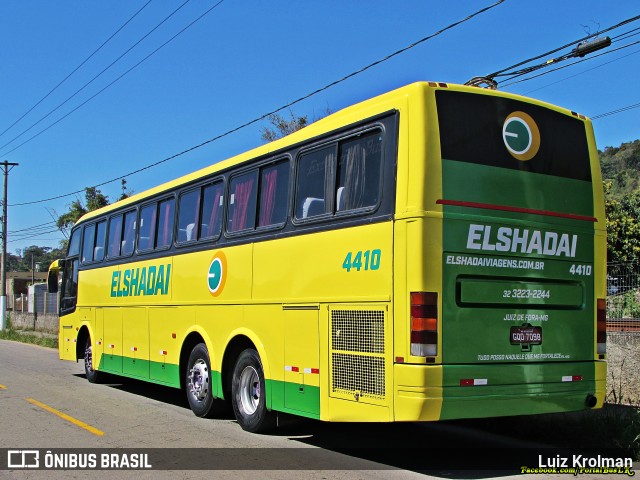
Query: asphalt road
{"x": 46, "y": 403}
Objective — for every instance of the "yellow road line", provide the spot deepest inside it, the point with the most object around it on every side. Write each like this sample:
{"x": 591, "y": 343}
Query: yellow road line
{"x": 2, "y": 387}
{"x": 66, "y": 417}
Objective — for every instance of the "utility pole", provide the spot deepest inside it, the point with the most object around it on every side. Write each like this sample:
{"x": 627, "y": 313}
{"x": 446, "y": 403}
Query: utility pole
{"x": 6, "y": 168}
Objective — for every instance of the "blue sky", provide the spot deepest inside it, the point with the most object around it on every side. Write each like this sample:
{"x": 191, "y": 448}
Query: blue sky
{"x": 246, "y": 58}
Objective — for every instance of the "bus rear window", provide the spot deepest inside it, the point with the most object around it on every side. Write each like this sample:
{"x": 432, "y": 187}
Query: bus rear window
{"x": 506, "y": 133}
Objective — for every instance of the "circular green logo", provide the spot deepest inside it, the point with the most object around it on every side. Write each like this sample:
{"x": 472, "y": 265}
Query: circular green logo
{"x": 521, "y": 136}
{"x": 217, "y": 274}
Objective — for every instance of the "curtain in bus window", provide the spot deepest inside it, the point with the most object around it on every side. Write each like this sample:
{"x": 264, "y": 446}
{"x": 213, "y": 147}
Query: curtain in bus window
{"x": 267, "y": 196}
{"x": 211, "y": 211}
{"x": 315, "y": 179}
{"x": 243, "y": 202}
{"x": 165, "y": 224}
{"x": 352, "y": 169}
{"x": 129, "y": 233}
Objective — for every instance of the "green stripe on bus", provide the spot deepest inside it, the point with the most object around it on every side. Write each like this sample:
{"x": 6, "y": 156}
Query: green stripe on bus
{"x": 285, "y": 396}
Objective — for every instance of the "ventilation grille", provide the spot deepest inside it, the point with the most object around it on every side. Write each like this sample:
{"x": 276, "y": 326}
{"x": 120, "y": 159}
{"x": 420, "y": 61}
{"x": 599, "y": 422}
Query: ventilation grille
{"x": 358, "y": 330}
{"x": 357, "y": 354}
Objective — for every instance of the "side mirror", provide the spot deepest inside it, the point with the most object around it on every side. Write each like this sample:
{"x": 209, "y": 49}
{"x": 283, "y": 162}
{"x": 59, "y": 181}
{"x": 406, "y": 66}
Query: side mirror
{"x": 52, "y": 278}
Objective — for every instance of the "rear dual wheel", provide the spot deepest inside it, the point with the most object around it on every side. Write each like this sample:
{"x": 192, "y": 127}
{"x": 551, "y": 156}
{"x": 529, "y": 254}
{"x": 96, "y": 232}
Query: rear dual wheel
{"x": 248, "y": 394}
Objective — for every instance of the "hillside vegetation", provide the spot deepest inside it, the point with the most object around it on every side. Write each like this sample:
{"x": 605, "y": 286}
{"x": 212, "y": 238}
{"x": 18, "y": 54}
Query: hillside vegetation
{"x": 621, "y": 169}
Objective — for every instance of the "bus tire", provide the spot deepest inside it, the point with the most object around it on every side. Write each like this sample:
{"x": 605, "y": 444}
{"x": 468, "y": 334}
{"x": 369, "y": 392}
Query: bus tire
{"x": 198, "y": 384}
{"x": 92, "y": 375}
{"x": 248, "y": 394}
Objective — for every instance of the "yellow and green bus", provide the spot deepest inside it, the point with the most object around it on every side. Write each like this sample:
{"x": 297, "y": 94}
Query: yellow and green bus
{"x": 436, "y": 252}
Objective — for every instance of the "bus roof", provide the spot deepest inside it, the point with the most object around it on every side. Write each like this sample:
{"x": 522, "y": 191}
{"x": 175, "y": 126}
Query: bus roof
{"x": 341, "y": 118}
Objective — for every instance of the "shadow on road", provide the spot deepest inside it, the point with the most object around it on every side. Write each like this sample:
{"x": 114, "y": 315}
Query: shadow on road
{"x": 475, "y": 448}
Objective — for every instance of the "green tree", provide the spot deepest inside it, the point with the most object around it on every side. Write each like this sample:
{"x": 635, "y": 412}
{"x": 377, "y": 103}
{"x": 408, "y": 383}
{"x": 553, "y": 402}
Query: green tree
{"x": 94, "y": 199}
{"x": 281, "y": 127}
{"x": 623, "y": 228}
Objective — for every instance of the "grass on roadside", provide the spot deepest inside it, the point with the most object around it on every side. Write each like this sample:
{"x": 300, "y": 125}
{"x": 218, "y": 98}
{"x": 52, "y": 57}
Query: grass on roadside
{"x": 29, "y": 337}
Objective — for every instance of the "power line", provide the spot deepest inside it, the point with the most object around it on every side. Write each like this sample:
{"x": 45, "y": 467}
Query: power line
{"x": 614, "y": 112}
{"x": 584, "y": 39}
{"x": 75, "y": 69}
{"x": 279, "y": 109}
{"x": 35, "y": 235}
{"x": 89, "y": 83}
{"x": 581, "y": 73}
{"x": 567, "y": 65}
{"x": 33, "y": 227}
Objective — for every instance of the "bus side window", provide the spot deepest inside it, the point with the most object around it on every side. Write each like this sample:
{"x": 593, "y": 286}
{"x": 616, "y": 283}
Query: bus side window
{"x": 146, "y": 234}
{"x": 211, "y": 215}
{"x": 242, "y": 202}
{"x": 274, "y": 189}
{"x": 115, "y": 236}
{"x": 187, "y": 215}
{"x": 165, "y": 223}
{"x": 129, "y": 233}
{"x": 359, "y": 168}
{"x": 315, "y": 175}
{"x": 101, "y": 238}
{"x": 88, "y": 243}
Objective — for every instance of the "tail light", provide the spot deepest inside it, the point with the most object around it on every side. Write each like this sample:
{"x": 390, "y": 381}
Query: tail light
{"x": 602, "y": 326}
{"x": 424, "y": 324}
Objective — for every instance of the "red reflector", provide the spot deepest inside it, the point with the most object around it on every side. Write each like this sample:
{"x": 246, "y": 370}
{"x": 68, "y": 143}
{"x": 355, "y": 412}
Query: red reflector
{"x": 295, "y": 369}
{"x": 399, "y": 359}
{"x": 465, "y": 382}
{"x": 576, "y": 378}
{"x": 315, "y": 371}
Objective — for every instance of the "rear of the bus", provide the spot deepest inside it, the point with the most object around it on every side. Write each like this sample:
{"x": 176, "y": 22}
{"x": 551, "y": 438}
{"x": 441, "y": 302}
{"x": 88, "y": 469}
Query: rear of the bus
{"x": 521, "y": 325}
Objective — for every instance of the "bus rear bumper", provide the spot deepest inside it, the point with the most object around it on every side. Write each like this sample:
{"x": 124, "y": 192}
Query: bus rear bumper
{"x": 436, "y": 392}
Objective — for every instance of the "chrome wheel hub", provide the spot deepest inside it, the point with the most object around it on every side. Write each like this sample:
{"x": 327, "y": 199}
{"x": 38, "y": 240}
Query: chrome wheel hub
{"x": 249, "y": 390}
{"x": 199, "y": 380}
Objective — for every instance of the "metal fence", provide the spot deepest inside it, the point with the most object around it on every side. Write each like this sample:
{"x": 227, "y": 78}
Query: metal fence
{"x": 623, "y": 299}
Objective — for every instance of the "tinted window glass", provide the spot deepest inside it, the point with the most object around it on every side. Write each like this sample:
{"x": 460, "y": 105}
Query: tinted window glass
{"x": 242, "y": 202}
{"x": 74, "y": 243}
{"x": 115, "y": 236}
{"x": 101, "y": 237}
{"x": 129, "y": 233}
{"x": 274, "y": 189}
{"x": 165, "y": 223}
{"x": 88, "y": 243}
{"x": 147, "y": 231}
{"x": 315, "y": 178}
{"x": 477, "y": 129}
{"x": 211, "y": 217}
{"x": 187, "y": 216}
{"x": 359, "y": 168}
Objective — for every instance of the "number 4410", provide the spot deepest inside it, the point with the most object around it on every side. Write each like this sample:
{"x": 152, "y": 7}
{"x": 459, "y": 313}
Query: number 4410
{"x": 367, "y": 260}
{"x": 580, "y": 270}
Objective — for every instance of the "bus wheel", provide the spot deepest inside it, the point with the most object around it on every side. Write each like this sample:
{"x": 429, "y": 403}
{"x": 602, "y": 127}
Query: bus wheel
{"x": 198, "y": 384}
{"x": 248, "y": 394}
{"x": 92, "y": 375}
